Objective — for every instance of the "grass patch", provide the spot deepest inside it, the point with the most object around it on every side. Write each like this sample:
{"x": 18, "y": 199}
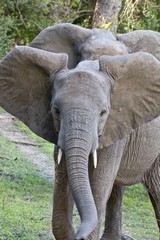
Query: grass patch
{"x": 45, "y": 146}
{"x": 25, "y": 197}
{"x": 138, "y": 214}
{"x": 1, "y": 110}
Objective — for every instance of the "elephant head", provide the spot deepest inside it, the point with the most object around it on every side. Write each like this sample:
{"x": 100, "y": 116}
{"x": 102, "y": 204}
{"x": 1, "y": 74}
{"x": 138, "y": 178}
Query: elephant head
{"x": 84, "y": 44}
{"x": 91, "y": 105}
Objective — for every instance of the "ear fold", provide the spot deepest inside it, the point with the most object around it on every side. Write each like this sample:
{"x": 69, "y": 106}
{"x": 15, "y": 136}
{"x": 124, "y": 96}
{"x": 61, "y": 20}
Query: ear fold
{"x": 135, "y": 98}
{"x": 25, "y": 89}
{"x": 142, "y": 40}
{"x": 63, "y": 38}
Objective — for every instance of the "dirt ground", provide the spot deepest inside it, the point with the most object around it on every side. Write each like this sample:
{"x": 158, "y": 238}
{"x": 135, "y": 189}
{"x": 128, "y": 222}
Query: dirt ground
{"x": 26, "y": 146}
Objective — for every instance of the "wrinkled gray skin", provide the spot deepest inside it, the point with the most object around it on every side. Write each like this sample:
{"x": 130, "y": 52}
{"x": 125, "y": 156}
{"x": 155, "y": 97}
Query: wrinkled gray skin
{"x": 69, "y": 94}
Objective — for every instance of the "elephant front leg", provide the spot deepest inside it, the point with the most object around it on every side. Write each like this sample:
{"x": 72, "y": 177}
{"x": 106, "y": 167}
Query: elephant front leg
{"x": 101, "y": 182}
{"x": 113, "y": 217}
{"x": 102, "y": 179}
{"x": 152, "y": 182}
{"x": 62, "y": 205}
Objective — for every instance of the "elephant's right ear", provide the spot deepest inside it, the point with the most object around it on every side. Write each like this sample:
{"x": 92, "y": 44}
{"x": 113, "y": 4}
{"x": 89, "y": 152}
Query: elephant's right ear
{"x": 63, "y": 38}
{"x": 135, "y": 97}
{"x": 25, "y": 88}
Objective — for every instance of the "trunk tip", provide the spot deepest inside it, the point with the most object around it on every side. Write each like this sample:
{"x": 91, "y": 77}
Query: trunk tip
{"x": 85, "y": 230}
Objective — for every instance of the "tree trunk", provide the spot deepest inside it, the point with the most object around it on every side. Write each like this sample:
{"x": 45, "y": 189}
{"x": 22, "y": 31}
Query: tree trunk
{"x": 106, "y": 14}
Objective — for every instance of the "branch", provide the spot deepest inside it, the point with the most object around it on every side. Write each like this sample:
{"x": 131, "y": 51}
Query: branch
{"x": 21, "y": 16}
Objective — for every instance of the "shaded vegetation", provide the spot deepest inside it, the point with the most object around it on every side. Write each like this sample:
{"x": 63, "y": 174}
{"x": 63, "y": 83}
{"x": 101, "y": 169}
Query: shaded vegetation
{"x": 136, "y": 15}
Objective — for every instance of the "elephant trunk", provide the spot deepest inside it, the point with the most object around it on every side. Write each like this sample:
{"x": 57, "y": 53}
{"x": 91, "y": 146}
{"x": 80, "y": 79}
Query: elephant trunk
{"x": 78, "y": 145}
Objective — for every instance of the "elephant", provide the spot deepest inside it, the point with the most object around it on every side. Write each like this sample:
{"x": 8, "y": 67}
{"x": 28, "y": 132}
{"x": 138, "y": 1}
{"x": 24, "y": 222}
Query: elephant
{"x": 95, "y": 95}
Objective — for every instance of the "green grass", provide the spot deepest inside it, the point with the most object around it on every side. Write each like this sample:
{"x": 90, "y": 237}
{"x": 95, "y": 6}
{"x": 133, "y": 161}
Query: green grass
{"x": 138, "y": 214}
{"x": 1, "y": 110}
{"x": 25, "y": 199}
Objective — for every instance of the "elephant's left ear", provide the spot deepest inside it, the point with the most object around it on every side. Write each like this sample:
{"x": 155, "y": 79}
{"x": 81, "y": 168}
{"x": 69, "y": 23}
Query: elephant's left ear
{"x": 135, "y": 97}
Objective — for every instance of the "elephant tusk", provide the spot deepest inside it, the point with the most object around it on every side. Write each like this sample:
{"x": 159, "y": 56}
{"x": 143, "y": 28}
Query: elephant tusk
{"x": 95, "y": 158}
{"x": 59, "y": 155}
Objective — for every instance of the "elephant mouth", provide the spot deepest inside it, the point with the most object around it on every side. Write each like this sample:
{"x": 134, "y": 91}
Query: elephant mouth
{"x": 94, "y": 157}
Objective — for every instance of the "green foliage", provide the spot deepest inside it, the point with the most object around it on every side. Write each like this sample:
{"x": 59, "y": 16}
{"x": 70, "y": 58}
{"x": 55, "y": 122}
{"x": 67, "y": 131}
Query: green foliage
{"x": 25, "y": 197}
{"x": 137, "y": 14}
{"x": 22, "y": 20}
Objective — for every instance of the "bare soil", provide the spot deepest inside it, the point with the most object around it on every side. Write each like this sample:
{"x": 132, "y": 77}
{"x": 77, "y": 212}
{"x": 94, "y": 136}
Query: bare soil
{"x": 26, "y": 146}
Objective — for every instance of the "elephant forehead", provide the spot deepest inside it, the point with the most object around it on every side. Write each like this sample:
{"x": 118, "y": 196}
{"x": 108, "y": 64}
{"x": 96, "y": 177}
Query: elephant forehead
{"x": 84, "y": 83}
{"x": 78, "y": 77}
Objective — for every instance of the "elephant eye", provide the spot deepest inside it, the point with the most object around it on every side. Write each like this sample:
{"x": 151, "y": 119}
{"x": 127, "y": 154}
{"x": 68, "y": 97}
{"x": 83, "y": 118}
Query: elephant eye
{"x": 103, "y": 112}
{"x": 56, "y": 110}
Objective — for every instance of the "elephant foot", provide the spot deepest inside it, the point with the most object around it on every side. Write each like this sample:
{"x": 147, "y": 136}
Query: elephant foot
{"x": 126, "y": 237}
{"x": 69, "y": 237}
{"x": 115, "y": 237}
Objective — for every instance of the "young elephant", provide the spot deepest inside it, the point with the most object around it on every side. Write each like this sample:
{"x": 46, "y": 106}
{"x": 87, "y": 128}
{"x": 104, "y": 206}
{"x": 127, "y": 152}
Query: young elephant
{"x": 90, "y": 112}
